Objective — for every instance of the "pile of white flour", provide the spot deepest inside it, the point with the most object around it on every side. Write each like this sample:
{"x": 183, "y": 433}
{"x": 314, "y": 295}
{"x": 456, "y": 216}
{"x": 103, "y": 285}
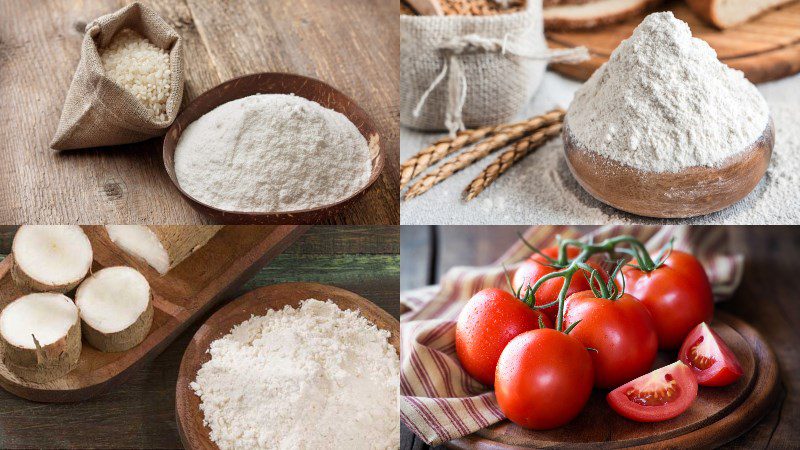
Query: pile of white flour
{"x": 664, "y": 102}
{"x": 271, "y": 153}
{"x": 308, "y": 378}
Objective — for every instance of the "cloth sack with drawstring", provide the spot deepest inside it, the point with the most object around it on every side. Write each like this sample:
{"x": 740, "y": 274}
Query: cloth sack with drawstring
{"x": 469, "y": 71}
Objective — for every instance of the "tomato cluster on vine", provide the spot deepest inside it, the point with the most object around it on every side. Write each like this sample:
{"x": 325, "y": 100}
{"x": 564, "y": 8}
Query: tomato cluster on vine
{"x": 573, "y": 322}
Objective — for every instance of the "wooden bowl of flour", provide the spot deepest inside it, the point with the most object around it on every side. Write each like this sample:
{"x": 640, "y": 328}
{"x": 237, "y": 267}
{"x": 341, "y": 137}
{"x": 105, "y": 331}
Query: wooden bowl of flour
{"x": 194, "y": 434}
{"x": 275, "y": 83}
{"x": 691, "y": 192}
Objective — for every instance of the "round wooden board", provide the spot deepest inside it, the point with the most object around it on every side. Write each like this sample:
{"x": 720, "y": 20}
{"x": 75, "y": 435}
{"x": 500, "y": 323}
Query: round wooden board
{"x": 717, "y": 416}
{"x": 194, "y": 434}
{"x": 768, "y": 48}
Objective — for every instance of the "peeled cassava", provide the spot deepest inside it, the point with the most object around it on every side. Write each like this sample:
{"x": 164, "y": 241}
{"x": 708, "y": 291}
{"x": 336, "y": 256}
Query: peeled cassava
{"x": 40, "y": 335}
{"x": 116, "y": 308}
{"x": 50, "y": 258}
{"x": 162, "y": 247}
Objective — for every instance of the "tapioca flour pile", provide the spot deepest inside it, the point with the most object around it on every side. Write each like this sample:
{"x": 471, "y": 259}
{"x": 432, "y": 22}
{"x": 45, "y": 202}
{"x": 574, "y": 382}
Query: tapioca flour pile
{"x": 307, "y": 378}
{"x": 664, "y": 102}
{"x": 271, "y": 153}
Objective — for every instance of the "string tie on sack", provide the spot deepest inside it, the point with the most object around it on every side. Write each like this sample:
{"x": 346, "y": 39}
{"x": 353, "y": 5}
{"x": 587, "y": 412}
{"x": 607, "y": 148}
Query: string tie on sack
{"x": 453, "y": 69}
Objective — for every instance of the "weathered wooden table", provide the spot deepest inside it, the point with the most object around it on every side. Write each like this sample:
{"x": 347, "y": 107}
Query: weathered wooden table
{"x": 352, "y": 45}
{"x": 141, "y": 412}
{"x": 771, "y": 278}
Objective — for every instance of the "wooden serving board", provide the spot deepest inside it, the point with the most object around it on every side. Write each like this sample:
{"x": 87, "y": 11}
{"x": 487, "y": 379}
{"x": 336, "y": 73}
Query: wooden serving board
{"x": 194, "y": 434}
{"x": 717, "y": 416}
{"x": 765, "y": 49}
{"x": 182, "y": 295}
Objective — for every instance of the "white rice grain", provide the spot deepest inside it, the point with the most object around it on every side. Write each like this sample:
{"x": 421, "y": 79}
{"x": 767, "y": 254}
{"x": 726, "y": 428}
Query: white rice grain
{"x": 141, "y": 68}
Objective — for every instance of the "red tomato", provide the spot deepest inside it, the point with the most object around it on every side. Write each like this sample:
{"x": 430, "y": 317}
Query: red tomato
{"x": 621, "y": 331}
{"x": 490, "y": 319}
{"x": 677, "y": 294}
{"x": 711, "y": 361}
{"x": 544, "y": 379}
{"x": 537, "y": 266}
{"x": 660, "y": 395}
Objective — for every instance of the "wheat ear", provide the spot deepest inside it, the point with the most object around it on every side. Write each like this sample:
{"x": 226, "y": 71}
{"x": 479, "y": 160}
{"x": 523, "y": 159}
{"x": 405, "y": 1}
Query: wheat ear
{"x": 508, "y": 158}
{"x": 495, "y": 142}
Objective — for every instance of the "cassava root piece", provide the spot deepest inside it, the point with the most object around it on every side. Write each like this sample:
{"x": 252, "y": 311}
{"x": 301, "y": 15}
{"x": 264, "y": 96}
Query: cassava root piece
{"x": 508, "y": 158}
{"x": 116, "y": 308}
{"x": 50, "y": 258}
{"x": 161, "y": 246}
{"x": 504, "y": 137}
{"x": 40, "y": 335}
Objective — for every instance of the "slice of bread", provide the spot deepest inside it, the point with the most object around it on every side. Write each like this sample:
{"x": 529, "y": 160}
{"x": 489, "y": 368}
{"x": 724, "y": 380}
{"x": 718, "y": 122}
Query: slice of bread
{"x": 547, "y": 3}
{"x": 729, "y": 13}
{"x": 594, "y": 14}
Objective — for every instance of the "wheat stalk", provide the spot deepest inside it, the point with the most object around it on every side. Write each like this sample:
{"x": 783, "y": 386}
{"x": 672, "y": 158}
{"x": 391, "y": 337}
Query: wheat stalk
{"x": 503, "y": 137}
{"x": 439, "y": 150}
{"x": 508, "y": 158}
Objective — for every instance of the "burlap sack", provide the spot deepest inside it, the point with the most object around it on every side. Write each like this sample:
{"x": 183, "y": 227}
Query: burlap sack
{"x": 470, "y": 71}
{"x": 99, "y": 112}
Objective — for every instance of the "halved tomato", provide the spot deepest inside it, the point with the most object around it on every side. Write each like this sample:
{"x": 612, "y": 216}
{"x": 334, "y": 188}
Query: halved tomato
{"x": 660, "y": 395}
{"x": 711, "y": 361}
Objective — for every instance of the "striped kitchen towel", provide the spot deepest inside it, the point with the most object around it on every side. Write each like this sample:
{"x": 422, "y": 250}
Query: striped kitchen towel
{"x": 439, "y": 401}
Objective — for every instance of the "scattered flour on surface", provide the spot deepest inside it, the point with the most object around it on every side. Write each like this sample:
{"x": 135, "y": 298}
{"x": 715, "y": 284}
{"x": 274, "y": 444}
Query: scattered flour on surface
{"x": 307, "y": 378}
{"x": 272, "y": 153}
{"x": 664, "y": 102}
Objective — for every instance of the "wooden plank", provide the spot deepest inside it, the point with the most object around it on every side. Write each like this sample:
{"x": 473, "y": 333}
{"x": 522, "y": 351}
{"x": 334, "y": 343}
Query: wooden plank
{"x": 474, "y": 246}
{"x": 375, "y": 277}
{"x": 332, "y": 40}
{"x": 351, "y": 239}
{"x": 415, "y": 256}
{"x": 765, "y": 49}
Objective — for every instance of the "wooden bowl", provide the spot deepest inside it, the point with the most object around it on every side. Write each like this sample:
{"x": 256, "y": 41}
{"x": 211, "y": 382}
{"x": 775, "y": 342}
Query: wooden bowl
{"x": 275, "y": 83}
{"x": 690, "y": 192}
{"x": 194, "y": 434}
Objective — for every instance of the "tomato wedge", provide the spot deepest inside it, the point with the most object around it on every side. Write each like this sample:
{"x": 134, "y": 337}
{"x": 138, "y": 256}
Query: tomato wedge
{"x": 711, "y": 361}
{"x": 660, "y": 395}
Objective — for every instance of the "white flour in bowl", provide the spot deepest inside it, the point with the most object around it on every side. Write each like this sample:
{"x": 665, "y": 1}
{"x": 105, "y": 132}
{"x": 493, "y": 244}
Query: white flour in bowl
{"x": 308, "y": 378}
{"x": 664, "y": 102}
{"x": 271, "y": 153}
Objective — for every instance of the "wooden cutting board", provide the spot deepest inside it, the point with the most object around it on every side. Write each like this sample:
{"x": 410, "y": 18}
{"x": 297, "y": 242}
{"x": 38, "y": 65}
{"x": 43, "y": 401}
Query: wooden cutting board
{"x": 194, "y": 434}
{"x": 182, "y": 295}
{"x": 717, "y": 416}
{"x": 765, "y": 49}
